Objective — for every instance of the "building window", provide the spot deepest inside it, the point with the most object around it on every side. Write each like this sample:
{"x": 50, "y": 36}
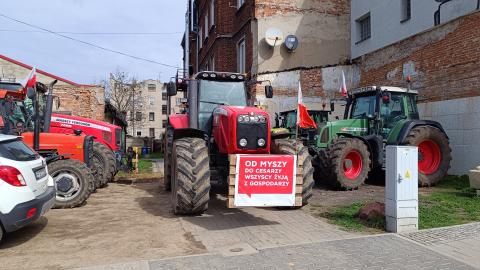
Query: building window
{"x": 131, "y": 115}
{"x": 139, "y": 133}
{"x": 241, "y": 56}
{"x": 138, "y": 116}
{"x": 364, "y": 28}
{"x": 164, "y": 109}
{"x": 151, "y": 87}
{"x": 151, "y": 116}
{"x": 164, "y": 96}
{"x": 151, "y": 132}
{"x": 212, "y": 13}
{"x": 240, "y": 3}
{"x": 151, "y": 100}
{"x": 406, "y": 10}
{"x": 164, "y": 123}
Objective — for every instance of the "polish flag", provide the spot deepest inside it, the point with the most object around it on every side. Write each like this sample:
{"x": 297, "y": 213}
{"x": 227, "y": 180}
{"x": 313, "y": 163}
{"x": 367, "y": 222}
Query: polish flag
{"x": 30, "y": 80}
{"x": 343, "y": 88}
{"x": 303, "y": 118}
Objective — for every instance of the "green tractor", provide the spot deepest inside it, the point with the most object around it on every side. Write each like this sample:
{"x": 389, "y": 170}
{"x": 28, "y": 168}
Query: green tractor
{"x": 348, "y": 150}
{"x": 286, "y": 122}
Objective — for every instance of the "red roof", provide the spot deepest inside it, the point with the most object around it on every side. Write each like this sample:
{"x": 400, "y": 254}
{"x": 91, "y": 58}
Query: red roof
{"x": 41, "y": 71}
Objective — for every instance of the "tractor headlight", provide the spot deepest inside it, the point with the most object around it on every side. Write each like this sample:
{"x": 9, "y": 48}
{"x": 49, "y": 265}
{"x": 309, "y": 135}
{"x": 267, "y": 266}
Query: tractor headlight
{"x": 241, "y": 119}
{"x": 261, "y": 142}
{"x": 256, "y": 119}
{"x": 243, "y": 142}
{"x": 246, "y": 119}
{"x": 263, "y": 119}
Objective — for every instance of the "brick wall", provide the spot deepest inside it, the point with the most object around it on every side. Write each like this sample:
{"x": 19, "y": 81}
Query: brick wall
{"x": 84, "y": 101}
{"x": 443, "y": 61}
{"x": 444, "y": 64}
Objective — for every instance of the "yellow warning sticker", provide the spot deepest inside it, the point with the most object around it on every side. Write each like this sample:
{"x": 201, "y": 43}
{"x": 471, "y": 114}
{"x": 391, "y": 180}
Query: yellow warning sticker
{"x": 407, "y": 174}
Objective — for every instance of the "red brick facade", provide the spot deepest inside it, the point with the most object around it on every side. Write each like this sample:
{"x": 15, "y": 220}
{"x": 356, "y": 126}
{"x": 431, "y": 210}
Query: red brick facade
{"x": 230, "y": 26}
{"x": 445, "y": 61}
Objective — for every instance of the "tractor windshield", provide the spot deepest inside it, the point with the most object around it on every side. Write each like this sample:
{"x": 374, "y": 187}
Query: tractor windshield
{"x": 363, "y": 106}
{"x": 216, "y": 93}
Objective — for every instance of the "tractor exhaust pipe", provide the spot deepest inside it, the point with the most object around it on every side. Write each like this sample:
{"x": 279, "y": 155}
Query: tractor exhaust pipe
{"x": 48, "y": 108}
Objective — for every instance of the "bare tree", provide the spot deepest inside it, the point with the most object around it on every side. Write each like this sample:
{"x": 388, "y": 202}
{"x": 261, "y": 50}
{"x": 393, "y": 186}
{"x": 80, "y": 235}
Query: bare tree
{"x": 125, "y": 93}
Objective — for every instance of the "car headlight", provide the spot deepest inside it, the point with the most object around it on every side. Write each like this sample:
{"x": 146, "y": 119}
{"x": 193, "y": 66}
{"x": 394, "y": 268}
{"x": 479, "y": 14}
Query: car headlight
{"x": 243, "y": 142}
{"x": 261, "y": 142}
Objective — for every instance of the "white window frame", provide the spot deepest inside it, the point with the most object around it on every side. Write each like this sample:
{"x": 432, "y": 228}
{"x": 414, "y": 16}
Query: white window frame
{"x": 212, "y": 62}
{"x": 212, "y": 13}
{"x": 200, "y": 38}
{"x": 206, "y": 25}
{"x": 406, "y": 10}
{"x": 241, "y": 56}
{"x": 240, "y": 3}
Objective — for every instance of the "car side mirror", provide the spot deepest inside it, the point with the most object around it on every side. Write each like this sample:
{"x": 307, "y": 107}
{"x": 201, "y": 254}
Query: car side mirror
{"x": 31, "y": 93}
{"x": 171, "y": 89}
{"x": 268, "y": 91}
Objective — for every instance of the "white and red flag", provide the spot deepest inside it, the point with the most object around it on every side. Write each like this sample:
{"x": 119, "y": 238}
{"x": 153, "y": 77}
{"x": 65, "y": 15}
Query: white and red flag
{"x": 303, "y": 118}
{"x": 343, "y": 88}
{"x": 30, "y": 80}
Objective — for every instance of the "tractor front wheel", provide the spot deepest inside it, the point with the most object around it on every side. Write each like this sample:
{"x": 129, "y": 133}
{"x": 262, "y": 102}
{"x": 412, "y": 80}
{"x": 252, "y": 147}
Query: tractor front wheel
{"x": 74, "y": 182}
{"x": 349, "y": 163}
{"x": 190, "y": 176}
{"x": 104, "y": 162}
{"x": 434, "y": 154}
{"x": 292, "y": 147}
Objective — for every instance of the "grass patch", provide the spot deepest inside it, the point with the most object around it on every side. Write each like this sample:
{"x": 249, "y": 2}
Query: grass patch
{"x": 452, "y": 202}
{"x": 144, "y": 171}
{"x": 155, "y": 155}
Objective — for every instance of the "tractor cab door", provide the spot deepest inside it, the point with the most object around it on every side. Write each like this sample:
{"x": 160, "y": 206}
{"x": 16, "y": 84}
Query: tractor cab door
{"x": 392, "y": 111}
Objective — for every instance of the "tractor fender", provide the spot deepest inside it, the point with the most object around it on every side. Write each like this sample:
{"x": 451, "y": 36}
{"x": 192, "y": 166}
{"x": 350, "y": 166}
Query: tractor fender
{"x": 178, "y": 121}
{"x": 374, "y": 144}
{"x": 188, "y": 132}
{"x": 409, "y": 125}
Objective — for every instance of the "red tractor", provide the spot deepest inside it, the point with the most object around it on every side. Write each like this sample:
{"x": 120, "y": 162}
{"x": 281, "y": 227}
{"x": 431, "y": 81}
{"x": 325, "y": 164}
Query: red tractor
{"x": 219, "y": 122}
{"x": 68, "y": 156}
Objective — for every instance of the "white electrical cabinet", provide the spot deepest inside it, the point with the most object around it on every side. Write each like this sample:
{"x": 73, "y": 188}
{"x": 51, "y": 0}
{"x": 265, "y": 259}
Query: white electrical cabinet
{"x": 401, "y": 188}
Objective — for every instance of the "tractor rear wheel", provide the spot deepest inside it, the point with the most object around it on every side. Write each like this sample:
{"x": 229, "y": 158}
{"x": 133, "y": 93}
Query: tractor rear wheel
{"x": 292, "y": 147}
{"x": 190, "y": 176}
{"x": 74, "y": 182}
{"x": 349, "y": 163}
{"x": 167, "y": 162}
{"x": 434, "y": 154}
{"x": 104, "y": 162}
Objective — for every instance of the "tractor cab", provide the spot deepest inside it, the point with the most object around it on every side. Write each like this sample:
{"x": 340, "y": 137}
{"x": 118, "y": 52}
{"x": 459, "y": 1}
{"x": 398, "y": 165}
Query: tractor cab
{"x": 288, "y": 120}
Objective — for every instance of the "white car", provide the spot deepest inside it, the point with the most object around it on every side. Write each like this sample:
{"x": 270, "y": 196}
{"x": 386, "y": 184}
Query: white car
{"x": 27, "y": 191}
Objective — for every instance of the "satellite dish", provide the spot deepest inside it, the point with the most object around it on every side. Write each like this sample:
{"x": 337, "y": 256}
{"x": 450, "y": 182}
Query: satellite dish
{"x": 274, "y": 37}
{"x": 291, "y": 42}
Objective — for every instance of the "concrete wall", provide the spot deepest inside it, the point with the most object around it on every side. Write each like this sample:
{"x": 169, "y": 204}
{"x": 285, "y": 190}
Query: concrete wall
{"x": 322, "y": 28}
{"x": 461, "y": 120}
{"x": 386, "y": 25}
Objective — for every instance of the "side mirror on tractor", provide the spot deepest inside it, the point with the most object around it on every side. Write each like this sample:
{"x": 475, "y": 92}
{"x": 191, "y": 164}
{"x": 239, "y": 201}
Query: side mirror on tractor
{"x": 31, "y": 93}
{"x": 268, "y": 91}
{"x": 171, "y": 89}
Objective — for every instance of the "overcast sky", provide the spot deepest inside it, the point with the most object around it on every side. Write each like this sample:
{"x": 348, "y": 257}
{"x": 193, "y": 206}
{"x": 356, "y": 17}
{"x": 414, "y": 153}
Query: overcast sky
{"x": 84, "y": 64}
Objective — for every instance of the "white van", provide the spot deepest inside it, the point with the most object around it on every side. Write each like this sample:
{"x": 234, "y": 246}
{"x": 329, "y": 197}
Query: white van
{"x": 26, "y": 189}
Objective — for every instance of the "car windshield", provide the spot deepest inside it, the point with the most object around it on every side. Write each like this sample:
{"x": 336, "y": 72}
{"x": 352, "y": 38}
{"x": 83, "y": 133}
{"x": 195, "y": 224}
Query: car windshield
{"x": 215, "y": 93}
{"x": 363, "y": 107}
{"x": 16, "y": 150}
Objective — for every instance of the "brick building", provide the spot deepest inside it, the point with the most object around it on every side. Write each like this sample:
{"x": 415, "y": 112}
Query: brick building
{"x": 229, "y": 36}
{"x": 75, "y": 99}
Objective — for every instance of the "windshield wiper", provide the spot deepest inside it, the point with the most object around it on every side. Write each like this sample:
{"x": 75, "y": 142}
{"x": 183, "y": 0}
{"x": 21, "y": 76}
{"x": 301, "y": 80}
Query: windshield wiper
{"x": 212, "y": 102}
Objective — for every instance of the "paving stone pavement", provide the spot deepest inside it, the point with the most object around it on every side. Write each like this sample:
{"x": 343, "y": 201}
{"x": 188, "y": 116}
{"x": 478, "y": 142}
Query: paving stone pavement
{"x": 459, "y": 242}
{"x": 252, "y": 229}
{"x": 374, "y": 252}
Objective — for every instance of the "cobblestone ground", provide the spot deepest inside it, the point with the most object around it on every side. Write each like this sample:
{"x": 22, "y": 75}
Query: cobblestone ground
{"x": 460, "y": 242}
{"x": 378, "y": 252}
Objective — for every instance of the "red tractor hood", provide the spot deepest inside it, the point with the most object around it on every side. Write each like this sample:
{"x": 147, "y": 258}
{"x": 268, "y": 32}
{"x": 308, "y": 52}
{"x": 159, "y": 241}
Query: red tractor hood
{"x": 239, "y": 110}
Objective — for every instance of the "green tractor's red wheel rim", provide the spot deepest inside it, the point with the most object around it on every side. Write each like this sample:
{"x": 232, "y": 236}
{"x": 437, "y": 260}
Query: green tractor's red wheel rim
{"x": 356, "y": 165}
{"x": 429, "y": 157}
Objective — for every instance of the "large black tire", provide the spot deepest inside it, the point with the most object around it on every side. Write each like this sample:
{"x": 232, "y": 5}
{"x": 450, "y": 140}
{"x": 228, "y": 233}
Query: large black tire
{"x": 292, "y": 147}
{"x": 167, "y": 161}
{"x": 337, "y": 154}
{"x": 1, "y": 233}
{"x": 75, "y": 174}
{"x": 434, "y": 143}
{"x": 104, "y": 160}
{"x": 190, "y": 176}
{"x": 322, "y": 170}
